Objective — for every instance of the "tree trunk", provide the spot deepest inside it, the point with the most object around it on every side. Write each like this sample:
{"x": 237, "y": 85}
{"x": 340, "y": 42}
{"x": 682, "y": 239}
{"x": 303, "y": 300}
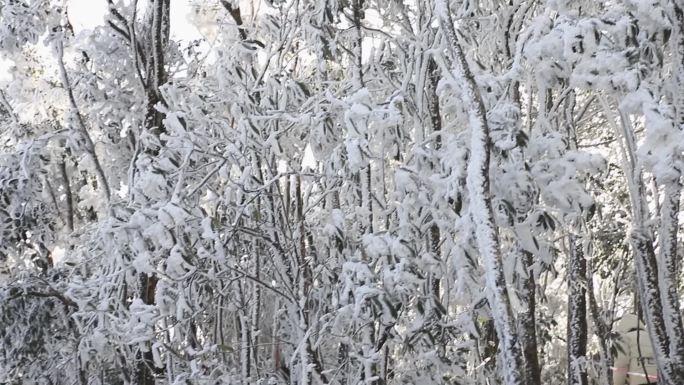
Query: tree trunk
{"x": 668, "y": 272}
{"x": 651, "y": 306}
{"x": 669, "y": 218}
{"x": 577, "y": 314}
{"x": 156, "y": 72}
{"x": 641, "y": 241}
{"x": 156, "y": 76}
{"x": 601, "y": 328}
{"x": 528, "y": 323}
{"x": 481, "y": 207}
{"x": 436, "y": 121}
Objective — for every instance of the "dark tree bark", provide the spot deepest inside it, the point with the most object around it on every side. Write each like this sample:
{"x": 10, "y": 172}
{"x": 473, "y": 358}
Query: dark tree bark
{"x": 577, "y": 333}
{"x": 528, "y": 321}
{"x": 669, "y": 268}
{"x": 577, "y": 314}
{"x": 158, "y": 23}
{"x": 602, "y": 327}
{"x": 651, "y": 306}
{"x": 156, "y": 71}
{"x": 668, "y": 271}
{"x": 237, "y": 17}
{"x": 433, "y": 77}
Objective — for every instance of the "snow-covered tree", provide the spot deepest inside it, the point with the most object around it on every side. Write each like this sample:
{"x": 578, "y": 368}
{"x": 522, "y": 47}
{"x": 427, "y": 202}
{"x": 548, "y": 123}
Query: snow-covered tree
{"x": 339, "y": 191}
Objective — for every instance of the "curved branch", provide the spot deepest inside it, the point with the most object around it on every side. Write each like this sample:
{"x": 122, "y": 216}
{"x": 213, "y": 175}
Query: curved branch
{"x": 237, "y": 16}
{"x": 90, "y": 146}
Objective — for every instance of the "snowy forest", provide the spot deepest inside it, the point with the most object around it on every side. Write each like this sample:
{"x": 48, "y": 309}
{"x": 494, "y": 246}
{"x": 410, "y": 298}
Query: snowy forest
{"x": 343, "y": 192}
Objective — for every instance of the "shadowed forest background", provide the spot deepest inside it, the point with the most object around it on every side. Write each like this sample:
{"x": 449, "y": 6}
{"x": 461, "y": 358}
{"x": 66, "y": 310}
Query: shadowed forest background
{"x": 340, "y": 192}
